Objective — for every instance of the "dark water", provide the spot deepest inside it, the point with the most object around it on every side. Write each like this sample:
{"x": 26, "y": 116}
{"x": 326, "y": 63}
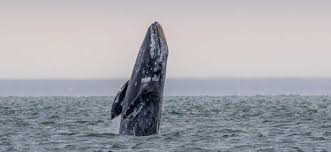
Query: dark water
{"x": 229, "y": 123}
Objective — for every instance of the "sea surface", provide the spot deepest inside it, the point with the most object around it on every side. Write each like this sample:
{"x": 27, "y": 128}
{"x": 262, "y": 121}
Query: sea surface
{"x": 267, "y": 123}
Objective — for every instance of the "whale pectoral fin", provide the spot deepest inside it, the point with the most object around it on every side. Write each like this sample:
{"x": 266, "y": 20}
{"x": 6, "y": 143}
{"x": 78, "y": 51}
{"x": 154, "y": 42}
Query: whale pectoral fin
{"x": 117, "y": 106}
{"x": 139, "y": 102}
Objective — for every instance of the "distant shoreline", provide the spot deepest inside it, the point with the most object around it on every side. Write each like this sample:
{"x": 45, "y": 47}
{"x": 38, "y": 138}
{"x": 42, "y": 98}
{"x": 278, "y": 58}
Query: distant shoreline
{"x": 173, "y": 87}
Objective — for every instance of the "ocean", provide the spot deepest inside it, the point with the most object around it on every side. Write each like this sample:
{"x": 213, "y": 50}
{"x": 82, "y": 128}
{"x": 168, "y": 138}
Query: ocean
{"x": 246, "y": 115}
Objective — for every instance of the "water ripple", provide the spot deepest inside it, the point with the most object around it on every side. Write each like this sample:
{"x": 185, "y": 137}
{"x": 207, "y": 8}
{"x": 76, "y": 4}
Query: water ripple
{"x": 229, "y": 123}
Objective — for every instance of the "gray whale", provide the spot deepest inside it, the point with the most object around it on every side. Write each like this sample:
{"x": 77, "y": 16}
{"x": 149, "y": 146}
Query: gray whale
{"x": 139, "y": 102}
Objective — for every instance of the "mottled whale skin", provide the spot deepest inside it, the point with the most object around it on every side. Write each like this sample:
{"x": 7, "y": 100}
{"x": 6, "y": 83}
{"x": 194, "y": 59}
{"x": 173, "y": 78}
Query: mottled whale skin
{"x": 139, "y": 102}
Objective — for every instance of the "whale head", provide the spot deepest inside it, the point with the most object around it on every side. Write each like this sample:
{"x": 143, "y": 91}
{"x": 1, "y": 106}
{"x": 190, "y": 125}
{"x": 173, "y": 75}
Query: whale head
{"x": 151, "y": 62}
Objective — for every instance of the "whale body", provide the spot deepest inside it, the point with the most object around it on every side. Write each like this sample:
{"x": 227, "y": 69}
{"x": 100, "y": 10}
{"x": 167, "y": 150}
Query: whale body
{"x": 139, "y": 102}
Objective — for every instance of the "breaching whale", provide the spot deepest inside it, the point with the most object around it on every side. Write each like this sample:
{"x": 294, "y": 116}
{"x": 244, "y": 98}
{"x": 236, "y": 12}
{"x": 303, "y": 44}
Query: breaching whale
{"x": 139, "y": 101}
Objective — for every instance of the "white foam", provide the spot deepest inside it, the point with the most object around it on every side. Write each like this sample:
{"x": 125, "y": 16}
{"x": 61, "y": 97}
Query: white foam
{"x": 115, "y": 125}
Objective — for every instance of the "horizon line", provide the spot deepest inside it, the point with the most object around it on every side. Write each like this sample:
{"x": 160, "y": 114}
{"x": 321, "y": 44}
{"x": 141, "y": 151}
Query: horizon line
{"x": 171, "y": 78}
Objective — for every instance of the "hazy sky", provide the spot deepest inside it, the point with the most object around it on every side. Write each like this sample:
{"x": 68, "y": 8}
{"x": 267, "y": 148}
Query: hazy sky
{"x": 206, "y": 38}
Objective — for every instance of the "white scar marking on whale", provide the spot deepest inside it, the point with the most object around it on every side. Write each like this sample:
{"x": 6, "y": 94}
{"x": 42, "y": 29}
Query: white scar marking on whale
{"x": 137, "y": 110}
{"x": 146, "y": 79}
{"x": 153, "y": 44}
{"x": 155, "y": 78}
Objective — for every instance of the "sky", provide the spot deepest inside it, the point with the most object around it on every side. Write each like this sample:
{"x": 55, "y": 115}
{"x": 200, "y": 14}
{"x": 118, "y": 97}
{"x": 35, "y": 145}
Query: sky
{"x": 100, "y": 39}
